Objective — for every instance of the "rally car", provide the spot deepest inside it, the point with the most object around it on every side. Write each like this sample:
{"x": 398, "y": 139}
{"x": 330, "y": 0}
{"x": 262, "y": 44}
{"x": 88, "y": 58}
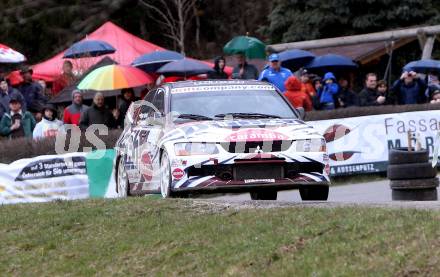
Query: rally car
{"x": 196, "y": 137}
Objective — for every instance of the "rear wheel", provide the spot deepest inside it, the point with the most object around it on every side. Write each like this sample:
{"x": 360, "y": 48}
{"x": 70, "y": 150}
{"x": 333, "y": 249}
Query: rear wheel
{"x": 165, "y": 176}
{"x": 264, "y": 194}
{"x": 122, "y": 180}
{"x": 314, "y": 193}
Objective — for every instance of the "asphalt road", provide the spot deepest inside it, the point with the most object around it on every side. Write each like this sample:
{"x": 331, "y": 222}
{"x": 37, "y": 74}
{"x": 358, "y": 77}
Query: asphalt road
{"x": 376, "y": 193}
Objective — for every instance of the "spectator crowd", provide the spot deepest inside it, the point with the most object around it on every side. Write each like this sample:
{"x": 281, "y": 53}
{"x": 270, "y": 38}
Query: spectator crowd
{"x": 25, "y": 110}
{"x": 313, "y": 92}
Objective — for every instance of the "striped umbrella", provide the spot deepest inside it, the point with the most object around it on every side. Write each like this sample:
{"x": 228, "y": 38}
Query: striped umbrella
{"x": 9, "y": 55}
{"x": 112, "y": 77}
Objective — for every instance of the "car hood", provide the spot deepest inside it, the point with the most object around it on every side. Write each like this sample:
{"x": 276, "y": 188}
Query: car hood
{"x": 241, "y": 130}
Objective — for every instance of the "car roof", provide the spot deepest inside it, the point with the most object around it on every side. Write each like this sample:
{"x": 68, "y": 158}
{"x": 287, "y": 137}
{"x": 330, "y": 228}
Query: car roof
{"x": 184, "y": 84}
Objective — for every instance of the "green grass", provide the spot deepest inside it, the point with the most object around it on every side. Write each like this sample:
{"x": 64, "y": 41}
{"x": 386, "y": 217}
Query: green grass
{"x": 143, "y": 236}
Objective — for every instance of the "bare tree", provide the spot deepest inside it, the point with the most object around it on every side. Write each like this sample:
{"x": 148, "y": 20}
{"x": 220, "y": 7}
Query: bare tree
{"x": 175, "y": 16}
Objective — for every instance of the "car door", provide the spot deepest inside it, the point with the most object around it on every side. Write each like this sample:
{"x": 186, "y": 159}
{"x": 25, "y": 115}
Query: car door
{"x": 157, "y": 123}
{"x": 139, "y": 159}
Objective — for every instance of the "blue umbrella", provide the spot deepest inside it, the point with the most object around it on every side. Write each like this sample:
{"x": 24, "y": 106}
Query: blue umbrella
{"x": 88, "y": 48}
{"x": 331, "y": 62}
{"x": 295, "y": 59}
{"x": 184, "y": 67}
{"x": 151, "y": 62}
{"x": 423, "y": 66}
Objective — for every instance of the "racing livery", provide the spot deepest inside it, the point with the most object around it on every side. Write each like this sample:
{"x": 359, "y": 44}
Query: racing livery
{"x": 219, "y": 136}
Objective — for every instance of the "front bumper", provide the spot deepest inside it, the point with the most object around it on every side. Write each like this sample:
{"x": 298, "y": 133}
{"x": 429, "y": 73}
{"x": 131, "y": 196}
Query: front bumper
{"x": 212, "y": 184}
{"x": 246, "y": 173}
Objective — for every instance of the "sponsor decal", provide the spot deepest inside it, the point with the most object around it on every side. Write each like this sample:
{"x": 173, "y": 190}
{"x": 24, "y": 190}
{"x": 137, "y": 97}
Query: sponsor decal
{"x": 146, "y": 166}
{"x": 225, "y": 88}
{"x": 178, "y": 173}
{"x": 253, "y": 181}
{"x": 177, "y": 163}
{"x": 342, "y": 156}
{"x": 256, "y": 135}
{"x": 335, "y": 132}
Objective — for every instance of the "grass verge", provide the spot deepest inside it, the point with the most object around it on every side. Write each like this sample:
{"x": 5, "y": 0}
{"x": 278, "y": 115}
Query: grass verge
{"x": 143, "y": 236}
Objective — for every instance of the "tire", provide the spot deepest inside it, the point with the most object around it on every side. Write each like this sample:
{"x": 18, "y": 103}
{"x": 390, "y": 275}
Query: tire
{"x": 429, "y": 194}
{"x": 165, "y": 176}
{"x": 314, "y": 193}
{"x": 266, "y": 194}
{"x": 401, "y": 155}
{"x": 411, "y": 171}
{"x": 414, "y": 184}
{"x": 122, "y": 183}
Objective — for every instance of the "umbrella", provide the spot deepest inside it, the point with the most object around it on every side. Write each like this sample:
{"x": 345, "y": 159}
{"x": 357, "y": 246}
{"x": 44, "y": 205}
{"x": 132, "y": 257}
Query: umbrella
{"x": 112, "y": 77}
{"x": 252, "y": 47}
{"x": 423, "y": 66}
{"x": 9, "y": 55}
{"x": 331, "y": 62}
{"x": 295, "y": 59}
{"x": 88, "y": 48}
{"x": 151, "y": 62}
{"x": 184, "y": 67}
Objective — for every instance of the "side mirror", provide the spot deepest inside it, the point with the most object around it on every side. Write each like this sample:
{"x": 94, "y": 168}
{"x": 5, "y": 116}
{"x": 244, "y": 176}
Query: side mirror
{"x": 302, "y": 113}
{"x": 158, "y": 119}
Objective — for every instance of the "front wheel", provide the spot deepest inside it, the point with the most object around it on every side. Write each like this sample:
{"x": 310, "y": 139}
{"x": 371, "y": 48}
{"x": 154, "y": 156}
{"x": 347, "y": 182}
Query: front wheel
{"x": 165, "y": 176}
{"x": 314, "y": 193}
{"x": 264, "y": 195}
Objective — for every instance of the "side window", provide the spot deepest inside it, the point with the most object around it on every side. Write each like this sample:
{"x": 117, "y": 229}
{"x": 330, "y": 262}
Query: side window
{"x": 148, "y": 98}
{"x": 142, "y": 112}
{"x": 159, "y": 100}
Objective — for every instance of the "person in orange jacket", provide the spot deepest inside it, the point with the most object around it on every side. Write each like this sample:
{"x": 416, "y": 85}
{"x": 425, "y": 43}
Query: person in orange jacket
{"x": 306, "y": 84}
{"x": 296, "y": 96}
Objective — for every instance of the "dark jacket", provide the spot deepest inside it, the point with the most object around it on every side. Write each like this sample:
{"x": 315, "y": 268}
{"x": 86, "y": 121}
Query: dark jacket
{"x": 4, "y": 100}
{"x": 409, "y": 94}
{"x": 368, "y": 97}
{"x": 218, "y": 73}
{"x": 95, "y": 115}
{"x": 123, "y": 108}
{"x": 250, "y": 72}
{"x": 33, "y": 96}
{"x": 27, "y": 122}
{"x": 348, "y": 97}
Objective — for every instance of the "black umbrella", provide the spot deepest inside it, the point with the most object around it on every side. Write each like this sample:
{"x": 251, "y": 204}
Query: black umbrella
{"x": 88, "y": 48}
{"x": 423, "y": 66}
{"x": 183, "y": 68}
{"x": 295, "y": 59}
{"x": 331, "y": 61}
{"x": 151, "y": 62}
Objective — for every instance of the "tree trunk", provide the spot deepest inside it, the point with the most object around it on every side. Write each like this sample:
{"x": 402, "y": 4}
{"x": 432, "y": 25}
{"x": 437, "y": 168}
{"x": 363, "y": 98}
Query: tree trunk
{"x": 179, "y": 4}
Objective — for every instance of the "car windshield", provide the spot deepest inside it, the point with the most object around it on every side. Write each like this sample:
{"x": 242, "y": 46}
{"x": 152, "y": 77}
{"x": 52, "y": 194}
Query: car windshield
{"x": 205, "y": 104}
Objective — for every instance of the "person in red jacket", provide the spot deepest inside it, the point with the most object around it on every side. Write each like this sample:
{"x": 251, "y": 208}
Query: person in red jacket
{"x": 66, "y": 79}
{"x": 73, "y": 112}
{"x": 296, "y": 95}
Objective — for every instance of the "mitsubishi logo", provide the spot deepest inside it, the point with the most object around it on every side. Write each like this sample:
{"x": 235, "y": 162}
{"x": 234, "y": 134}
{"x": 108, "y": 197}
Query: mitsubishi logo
{"x": 258, "y": 150}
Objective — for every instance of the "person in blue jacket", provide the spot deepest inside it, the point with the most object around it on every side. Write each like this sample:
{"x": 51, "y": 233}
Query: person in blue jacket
{"x": 275, "y": 74}
{"x": 328, "y": 92}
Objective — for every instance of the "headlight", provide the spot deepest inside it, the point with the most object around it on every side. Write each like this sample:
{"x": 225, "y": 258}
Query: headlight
{"x": 310, "y": 145}
{"x": 195, "y": 148}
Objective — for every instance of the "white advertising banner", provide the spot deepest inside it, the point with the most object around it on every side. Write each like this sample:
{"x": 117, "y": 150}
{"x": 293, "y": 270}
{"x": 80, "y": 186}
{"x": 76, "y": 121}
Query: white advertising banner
{"x": 360, "y": 144}
{"x": 58, "y": 177}
{"x": 44, "y": 178}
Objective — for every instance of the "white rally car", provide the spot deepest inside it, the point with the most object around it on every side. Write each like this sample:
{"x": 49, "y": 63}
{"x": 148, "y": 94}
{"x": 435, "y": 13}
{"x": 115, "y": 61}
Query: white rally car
{"x": 219, "y": 136}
